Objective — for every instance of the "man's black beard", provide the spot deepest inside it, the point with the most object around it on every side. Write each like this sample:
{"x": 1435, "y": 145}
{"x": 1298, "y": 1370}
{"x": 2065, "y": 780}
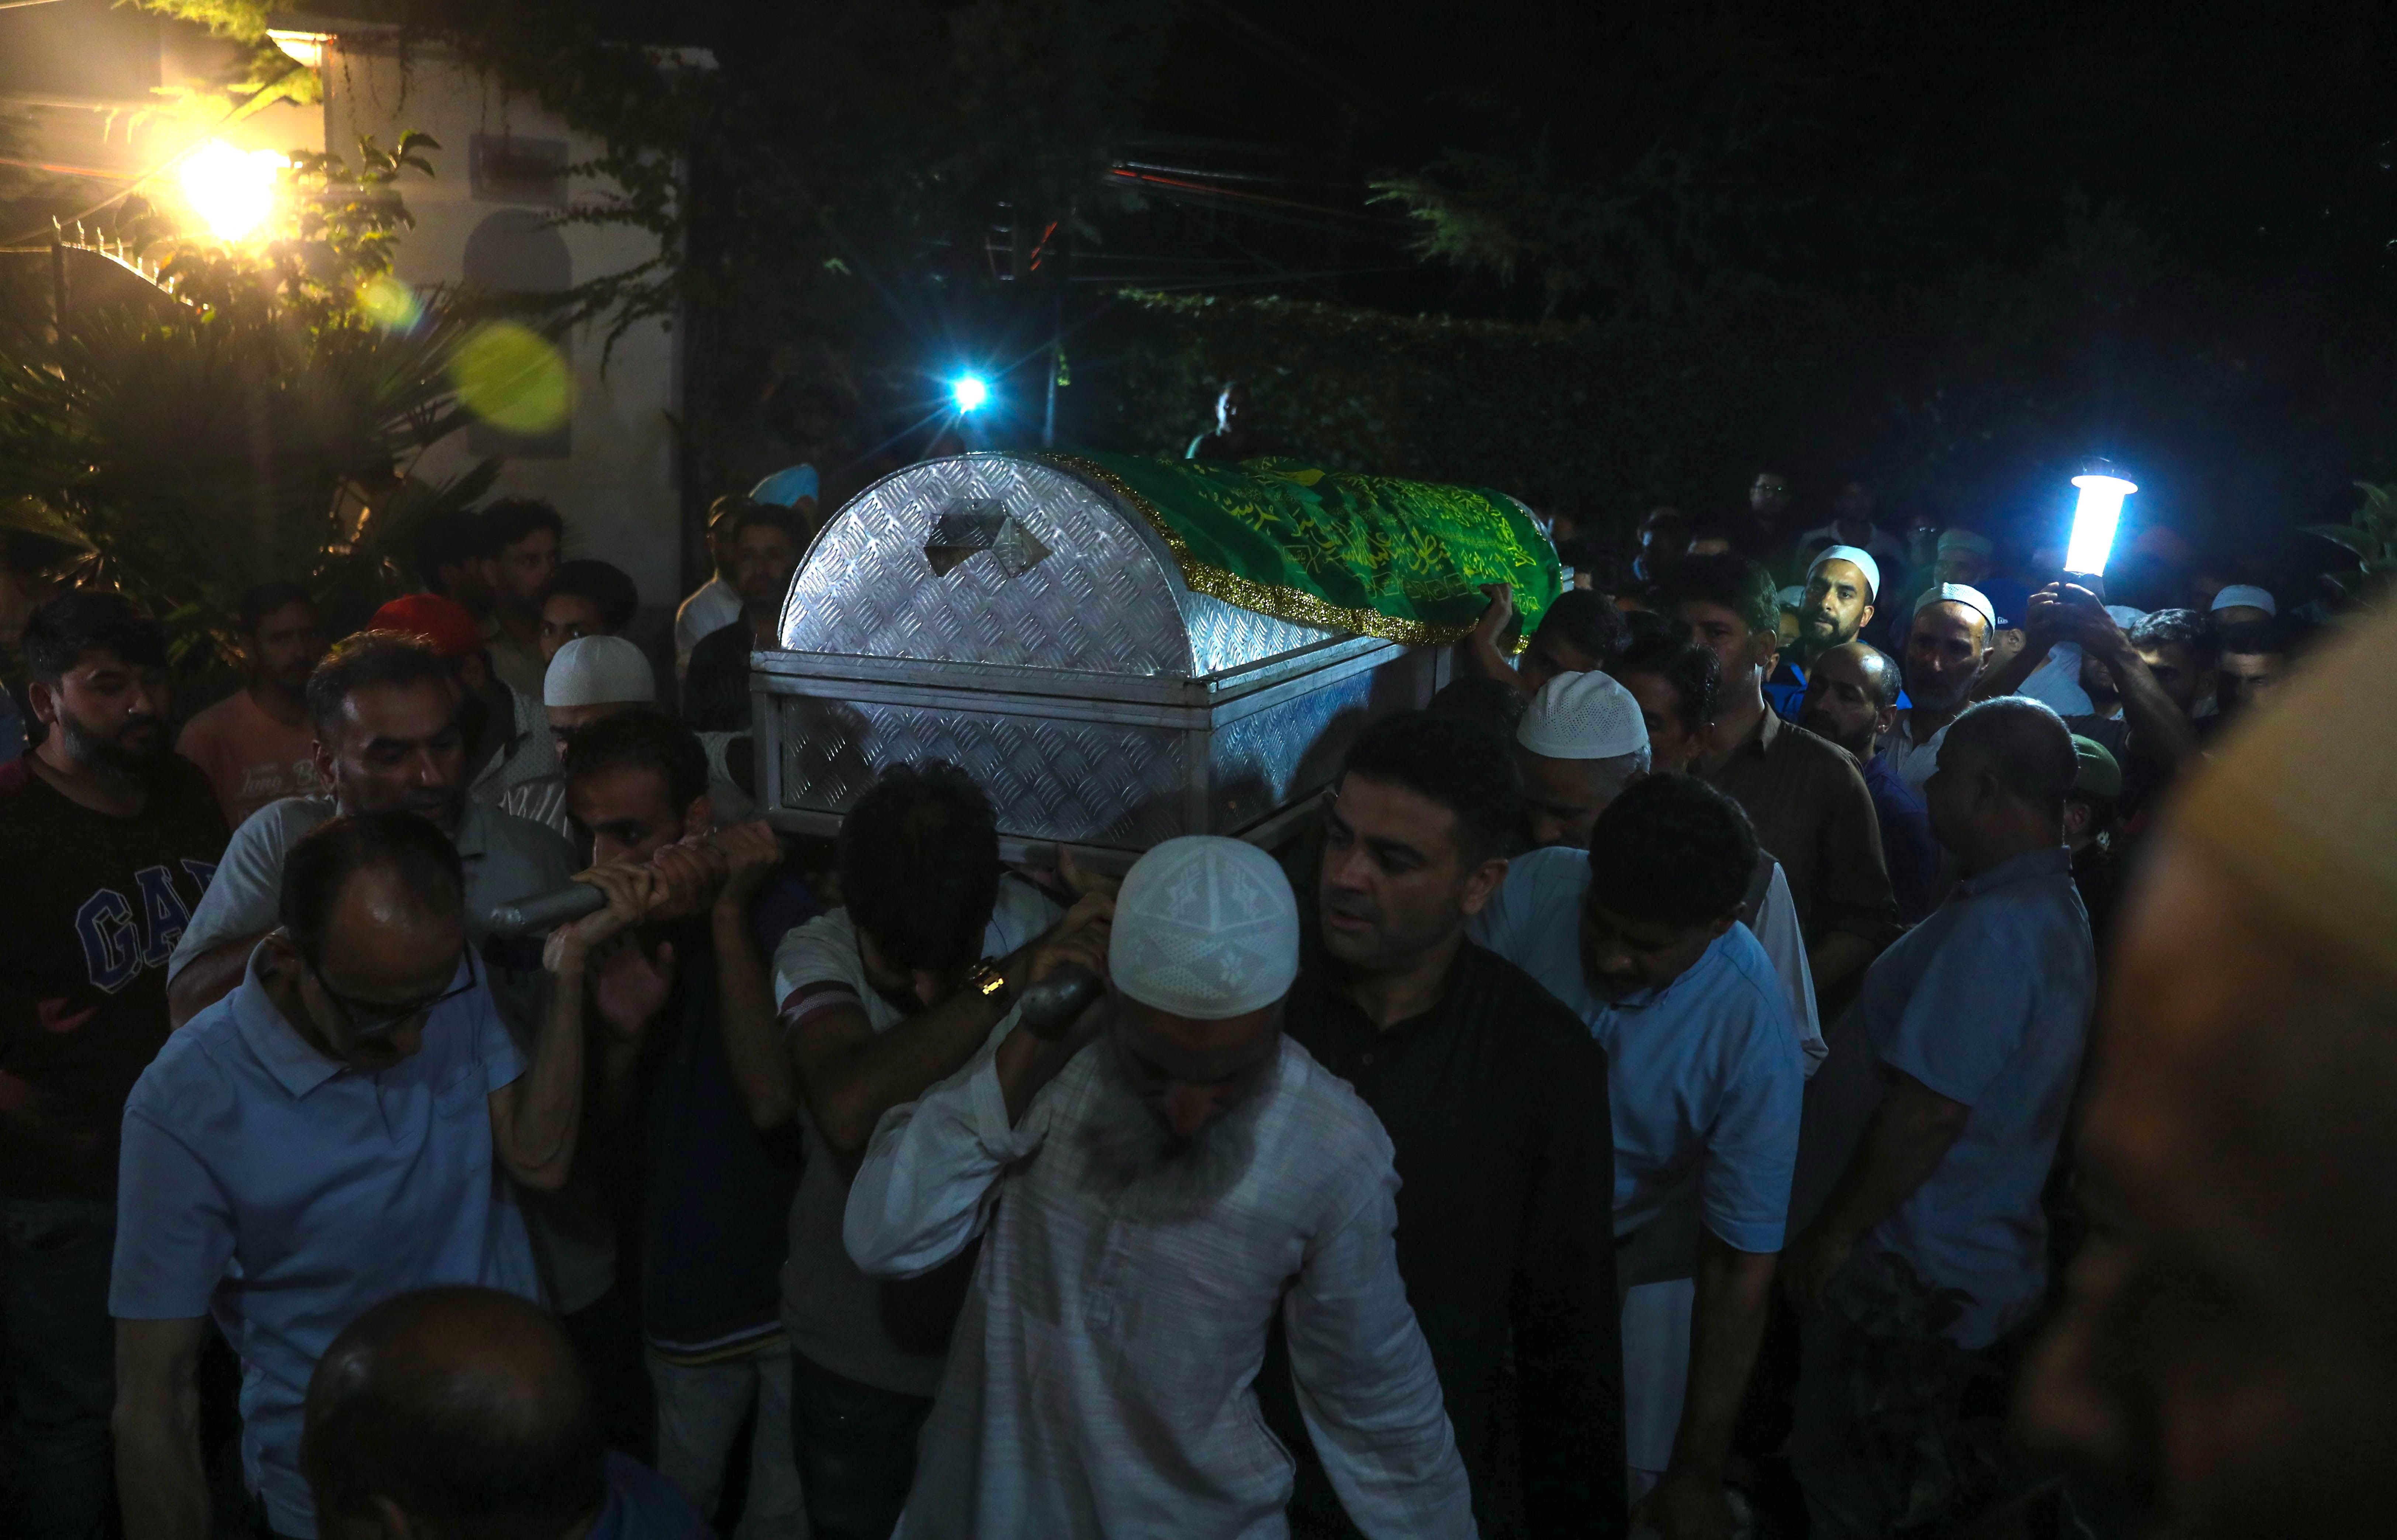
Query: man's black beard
{"x": 1858, "y": 743}
{"x": 109, "y": 758}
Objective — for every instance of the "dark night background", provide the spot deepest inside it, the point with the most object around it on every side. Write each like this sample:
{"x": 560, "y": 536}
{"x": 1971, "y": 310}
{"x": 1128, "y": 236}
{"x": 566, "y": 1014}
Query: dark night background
{"x": 1597, "y": 256}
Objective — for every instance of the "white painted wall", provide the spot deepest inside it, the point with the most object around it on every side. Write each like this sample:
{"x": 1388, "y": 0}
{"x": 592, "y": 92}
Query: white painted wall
{"x": 616, "y": 488}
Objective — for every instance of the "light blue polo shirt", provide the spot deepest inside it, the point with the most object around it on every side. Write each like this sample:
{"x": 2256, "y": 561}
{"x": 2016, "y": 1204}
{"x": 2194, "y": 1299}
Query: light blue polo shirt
{"x": 1706, "y": 1068}
{"x": 1987, "y": 1002}
{"x": 283, "y": 1194}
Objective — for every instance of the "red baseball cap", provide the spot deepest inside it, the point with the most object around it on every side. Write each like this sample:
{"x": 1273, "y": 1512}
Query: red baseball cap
{"x": 443, "y": 622}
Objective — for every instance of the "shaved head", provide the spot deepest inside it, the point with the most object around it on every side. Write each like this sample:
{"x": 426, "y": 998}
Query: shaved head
{"x": 2025, "y": 745}
{"x": 1881, "y": 672}
{"x": 464, "y": 1408}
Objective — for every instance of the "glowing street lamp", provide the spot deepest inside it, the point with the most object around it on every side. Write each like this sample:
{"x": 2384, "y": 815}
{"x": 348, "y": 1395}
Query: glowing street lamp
{"x": 2093, "y": 518}
{"x": 970, "y": 392}
{"x": 233, "y": 191}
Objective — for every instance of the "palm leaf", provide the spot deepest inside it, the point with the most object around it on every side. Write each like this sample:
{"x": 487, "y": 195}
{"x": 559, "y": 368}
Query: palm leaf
{"x": 204, "y": 452}
{"x": 2347, "y": 535}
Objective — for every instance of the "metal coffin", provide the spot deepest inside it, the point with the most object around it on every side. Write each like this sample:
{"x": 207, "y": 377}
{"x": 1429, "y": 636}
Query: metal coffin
{"x": 1007, "y": 615}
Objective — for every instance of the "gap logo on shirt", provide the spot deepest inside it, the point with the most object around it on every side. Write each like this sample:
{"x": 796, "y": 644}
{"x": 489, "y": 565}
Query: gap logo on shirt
{"x": 122, "y": 936}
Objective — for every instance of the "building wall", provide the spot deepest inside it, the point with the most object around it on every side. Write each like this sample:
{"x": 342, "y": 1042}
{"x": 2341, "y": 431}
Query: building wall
{"x": 611, "y": 471}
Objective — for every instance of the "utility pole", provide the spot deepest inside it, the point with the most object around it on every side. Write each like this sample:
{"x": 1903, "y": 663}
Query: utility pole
{"x": 1058, "y": 283}
{"x": 1056, "y": 360}
{"x": 58, "y": 284}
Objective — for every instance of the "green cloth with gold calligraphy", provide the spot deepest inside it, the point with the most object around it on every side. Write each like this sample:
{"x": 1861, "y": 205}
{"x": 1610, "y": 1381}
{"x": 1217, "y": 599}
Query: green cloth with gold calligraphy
{"x": 1403, "y": 560}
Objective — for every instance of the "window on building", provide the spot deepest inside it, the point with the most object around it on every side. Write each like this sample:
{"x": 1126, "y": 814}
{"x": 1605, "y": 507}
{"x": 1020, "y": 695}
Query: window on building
{"x": 517, "y": 254}
{"x": 503, "y": 168}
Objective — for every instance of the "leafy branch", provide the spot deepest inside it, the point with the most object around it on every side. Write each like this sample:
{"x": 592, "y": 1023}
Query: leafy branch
{"x": 2370, "y": 536}
{"x": 264, "y": 428}
{"x": 263, "y": 71}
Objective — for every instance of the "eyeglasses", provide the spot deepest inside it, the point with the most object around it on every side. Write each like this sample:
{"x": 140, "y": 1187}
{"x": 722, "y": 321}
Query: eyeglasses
{"x": 359, "y": 1013}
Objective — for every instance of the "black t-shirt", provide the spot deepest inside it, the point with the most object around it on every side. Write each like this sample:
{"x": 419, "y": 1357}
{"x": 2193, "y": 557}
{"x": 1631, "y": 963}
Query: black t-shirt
{"x": 716, "y": 687}
{"x": 716, "y": 1193}
{"x": 88, "y": 914}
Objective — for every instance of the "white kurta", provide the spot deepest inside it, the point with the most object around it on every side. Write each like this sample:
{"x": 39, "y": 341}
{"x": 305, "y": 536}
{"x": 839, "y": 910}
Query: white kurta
{"x": 711, "y": 606}
{"x": 1099, "y": 1380}
{"x": 1912, "y": 761}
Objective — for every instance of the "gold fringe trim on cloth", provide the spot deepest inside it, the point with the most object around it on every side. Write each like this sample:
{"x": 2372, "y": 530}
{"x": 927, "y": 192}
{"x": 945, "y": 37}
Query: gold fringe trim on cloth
{"x": 1283, "y": 604}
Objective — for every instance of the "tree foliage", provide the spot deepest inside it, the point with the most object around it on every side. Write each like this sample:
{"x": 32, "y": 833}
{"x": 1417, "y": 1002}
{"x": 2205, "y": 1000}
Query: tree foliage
{"x": 264, "y": 73}
{"x": 1559, "y": 415}
{"x": 825, "y": 196}
{"x": 2369, "y": 537}
{"x": 338, "y": 228}
{"x": 1661, "y": 184}
{"x": 258, "y": 425}
{"x": 861, "y": 149}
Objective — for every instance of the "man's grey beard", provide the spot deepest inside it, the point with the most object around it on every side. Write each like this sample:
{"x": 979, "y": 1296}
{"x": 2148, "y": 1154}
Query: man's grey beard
{"x": 1936, "y": 703}
{"x": 1132, "y": 1161}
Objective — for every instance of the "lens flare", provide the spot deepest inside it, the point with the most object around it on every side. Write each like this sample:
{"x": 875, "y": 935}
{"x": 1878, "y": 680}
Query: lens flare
{"x": 231, "y": 190}
{"x": 969, "y": 391}
{"x": 512, "y": 378}
{"x": 389, "y": 304}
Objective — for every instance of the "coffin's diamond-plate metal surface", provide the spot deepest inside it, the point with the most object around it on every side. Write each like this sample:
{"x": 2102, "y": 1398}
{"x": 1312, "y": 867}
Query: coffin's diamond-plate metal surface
{"x": 1087, "y": 782}
{"x": 1112, "y": 784}
{"x": 1104, "y": 596}
{"x": 1225, "y": 635}
{"x": 1105, "y": 599}
{"x": 1263, "y": 762}
{"x": 1269, "y": 759}
{"x": 1102, "y": 602}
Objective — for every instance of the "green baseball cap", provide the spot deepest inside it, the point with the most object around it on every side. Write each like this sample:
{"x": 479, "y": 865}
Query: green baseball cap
{"x": 2100, "y": 776}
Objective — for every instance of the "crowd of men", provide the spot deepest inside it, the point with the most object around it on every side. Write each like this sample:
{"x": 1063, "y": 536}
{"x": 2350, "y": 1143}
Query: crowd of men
{"x": 1643, "y": 1100}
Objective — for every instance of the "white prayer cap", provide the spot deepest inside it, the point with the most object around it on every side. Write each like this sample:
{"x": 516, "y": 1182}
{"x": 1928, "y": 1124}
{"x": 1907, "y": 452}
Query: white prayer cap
{"x": 1791, "y": 597}
{"x": 1582, "y": 716}
{"x": 2246, "y": 594}
{"x": 1205, "y": 929}
{"x": 1965, "y": 595}
{"x": 597, "y": 671}
{"x": 2125, "y": 616}
{"x": 1862, "y": 559}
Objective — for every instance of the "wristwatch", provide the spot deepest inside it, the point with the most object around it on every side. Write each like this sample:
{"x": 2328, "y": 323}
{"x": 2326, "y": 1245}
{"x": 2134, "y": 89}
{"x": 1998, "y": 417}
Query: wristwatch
{"x": 984, "y": 979}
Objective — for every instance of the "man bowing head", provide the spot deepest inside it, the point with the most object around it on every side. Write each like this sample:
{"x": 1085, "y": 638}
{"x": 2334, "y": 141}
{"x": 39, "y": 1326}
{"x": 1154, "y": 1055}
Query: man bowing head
{"x": 1196, "y": 1173}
